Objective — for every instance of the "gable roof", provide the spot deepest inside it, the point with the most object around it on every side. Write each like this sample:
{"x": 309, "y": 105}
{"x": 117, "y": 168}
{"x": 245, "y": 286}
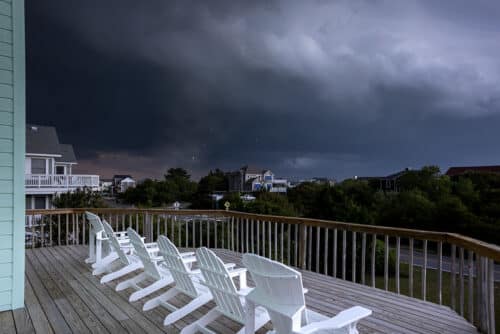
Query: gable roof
{"x": 68, "y": 154}
{"x": 42, "y": 140}
{"x": 453, "y": 171}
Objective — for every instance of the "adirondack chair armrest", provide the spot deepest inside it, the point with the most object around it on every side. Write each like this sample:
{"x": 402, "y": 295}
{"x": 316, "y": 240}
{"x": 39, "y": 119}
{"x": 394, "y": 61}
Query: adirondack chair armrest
{"x": 185, "y": 254}
{"x": 121, "y": 234}
{"x": 346, "y": 318}
{"x": 151, "y": 244}
{"x": 229, "y": 266}
{"x": 189, "y": 260}
{"x": 156, "y": 258}
{"x": 100, "y": 237}
{"x": 242, "y": 273}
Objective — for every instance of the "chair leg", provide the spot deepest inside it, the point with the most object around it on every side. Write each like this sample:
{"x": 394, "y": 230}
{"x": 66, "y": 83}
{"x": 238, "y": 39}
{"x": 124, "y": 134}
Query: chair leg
{"x": 132, "y": 282}
{"x": 104, "y": 265}
{"x": 187, "y": 309}
{"x": 202, "y": 322}
{"x": 151, "y": 288}
{"x": 155, "y": 302}
{"x": 91, "y": 258}
{"x": 122, "y": 272}
{"x": 261, "y": 318}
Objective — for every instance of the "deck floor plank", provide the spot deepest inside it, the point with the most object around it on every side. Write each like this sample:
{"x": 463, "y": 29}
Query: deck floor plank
{"x": 62, "y": 296}
{"x": 22, "y": 321}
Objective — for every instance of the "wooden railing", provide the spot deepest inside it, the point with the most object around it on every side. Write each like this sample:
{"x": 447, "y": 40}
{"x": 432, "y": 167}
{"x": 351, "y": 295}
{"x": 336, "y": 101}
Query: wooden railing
{"x": 61, "y": 181}
{"x": 443, "y": 268}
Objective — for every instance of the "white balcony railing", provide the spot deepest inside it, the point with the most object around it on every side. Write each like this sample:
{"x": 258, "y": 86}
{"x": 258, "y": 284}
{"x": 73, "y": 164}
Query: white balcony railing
{"x": 61, "y": 181}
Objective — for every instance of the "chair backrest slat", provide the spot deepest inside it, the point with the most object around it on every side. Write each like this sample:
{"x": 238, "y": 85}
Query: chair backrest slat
{"x": 179, "y": 270}
{"x": 150, "y": 266}
{"x": 115, "y": 245}
{"x": 95, "y": 222}
{"x": 221, "y": 285}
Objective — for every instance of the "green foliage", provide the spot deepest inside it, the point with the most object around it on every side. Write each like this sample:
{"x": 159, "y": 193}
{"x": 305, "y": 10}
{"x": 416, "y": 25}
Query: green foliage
{"x": 81, "y": 198}
{"x": 215, "y": 181}
{"x": 177, "y": 186}
{"x": 271, "y": 204}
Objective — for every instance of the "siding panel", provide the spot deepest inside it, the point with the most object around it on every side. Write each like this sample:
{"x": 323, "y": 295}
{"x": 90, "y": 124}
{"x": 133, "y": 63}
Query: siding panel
{"x": 6, "y": 104}
{"x": 5, "y": 62}
{"x": 5, "y": 8}
{"x": 6, "y": 159}
{"x": 6, "y": 118}
{"x": 5, "y": 270}
{"x": 5, "y": 22}
{"x": 5, "y": 36}
{"x": 6, "y": 187}
{"x": 5, "y": 200}
{"x": 5, "y": 76}
{"x": 5, "y": 49}
{"x": 6, "y": 91}
{"x": 6, "y": 240}
{"x": 6, "y": 146}
{"x": 6, "y": 131}
{"x": 6, "y": 230}
{"x": 5, "y": 214}
{"x": 5, "y": 283}
{"x": 5, "y": 255}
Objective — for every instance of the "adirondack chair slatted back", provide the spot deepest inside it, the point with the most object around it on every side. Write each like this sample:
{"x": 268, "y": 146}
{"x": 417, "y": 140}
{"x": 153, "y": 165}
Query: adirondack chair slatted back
{"x": 221, "y": 285}
{"x": 95, "y": 222}
{"x": 141, "y": 251}
{"x": 173, "y": 261}
{"x": 114, "y": 242}
{"x": 282, "y": 284}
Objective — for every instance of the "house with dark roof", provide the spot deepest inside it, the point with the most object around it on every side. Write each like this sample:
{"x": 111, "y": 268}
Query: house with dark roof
{"x": 388, "y": 183}
{"x": 49, "y": 168}
{"x": 251, "y": 179}
{"x": 456, "y": 171}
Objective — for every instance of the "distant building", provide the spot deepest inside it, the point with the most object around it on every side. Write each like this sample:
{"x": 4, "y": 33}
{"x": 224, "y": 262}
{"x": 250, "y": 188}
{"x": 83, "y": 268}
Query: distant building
{"x": 386, "y": 183}
{"x": 456, "y": 171}
{"x": 49, "y": 168}
{"x": 106, "y": 185}
{"x": 249, "y": 179}
{"x": 123, "y": 182}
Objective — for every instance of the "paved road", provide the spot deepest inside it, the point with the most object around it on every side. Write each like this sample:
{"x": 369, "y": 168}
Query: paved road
{"x": 432, "y": 262}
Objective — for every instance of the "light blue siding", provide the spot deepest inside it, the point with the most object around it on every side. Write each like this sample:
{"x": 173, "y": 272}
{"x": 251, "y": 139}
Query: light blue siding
{"x": 12, "y": 154}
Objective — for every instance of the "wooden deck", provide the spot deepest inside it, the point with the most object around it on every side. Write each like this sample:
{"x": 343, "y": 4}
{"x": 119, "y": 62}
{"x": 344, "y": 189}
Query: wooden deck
{"x": 63, "y": 297}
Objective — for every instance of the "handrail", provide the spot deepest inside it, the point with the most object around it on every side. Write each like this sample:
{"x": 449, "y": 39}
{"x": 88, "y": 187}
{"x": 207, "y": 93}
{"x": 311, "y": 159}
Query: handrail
{"x": 480, "y": 247}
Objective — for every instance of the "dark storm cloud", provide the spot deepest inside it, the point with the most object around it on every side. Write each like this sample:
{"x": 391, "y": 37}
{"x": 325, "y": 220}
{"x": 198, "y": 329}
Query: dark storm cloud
{"x": 333, "y": 88}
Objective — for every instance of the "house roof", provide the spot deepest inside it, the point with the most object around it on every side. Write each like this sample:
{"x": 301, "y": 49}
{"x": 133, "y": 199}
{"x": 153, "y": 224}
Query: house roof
{"x": 42, "y": 140}
{"x": 254, "y": 170}
{"x": 68, "y": 154}
{"x": 118, "y": 176}
{"x": 453, "y": 171}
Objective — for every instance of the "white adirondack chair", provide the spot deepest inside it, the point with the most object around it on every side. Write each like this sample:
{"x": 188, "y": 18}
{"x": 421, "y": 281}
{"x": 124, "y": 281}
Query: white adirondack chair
{"x": 229, "y": 301}
{"x": 279, "y": 289}
{"x": 148, "y": 255}
{"x": 187, "y": 281}
{"x": 96, "y": 236}
{"x": 124, "y": 256}
{"x": 99, "y": 243}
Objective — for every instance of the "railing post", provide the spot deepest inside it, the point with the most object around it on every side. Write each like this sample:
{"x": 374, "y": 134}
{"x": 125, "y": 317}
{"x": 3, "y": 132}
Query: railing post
{"x": 302, "y": 246}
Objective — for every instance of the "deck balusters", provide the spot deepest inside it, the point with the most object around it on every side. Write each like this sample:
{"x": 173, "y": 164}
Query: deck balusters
{"x": 317, "y": 248}
{"x": 325, "y": 257}
{"x": 386, "y": 263}
{"x": 374, "y": 250}
{"x": 461, "y": 273}
{"x": 470, "y": 298}
{"x": 410, "y": 268}
{"x": 344, "y": 253}
{"x": 424, "y": 272}
{"x": 363, "y": 257}
{"x": 398, "y": 261}
{"x": 335, "y": 252}
{"x": 440, "y": 272}
{"x": 453, "y": 282}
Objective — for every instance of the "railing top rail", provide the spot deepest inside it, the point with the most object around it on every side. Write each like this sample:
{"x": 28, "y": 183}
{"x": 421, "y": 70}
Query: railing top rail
{"x": 481, "y": 248}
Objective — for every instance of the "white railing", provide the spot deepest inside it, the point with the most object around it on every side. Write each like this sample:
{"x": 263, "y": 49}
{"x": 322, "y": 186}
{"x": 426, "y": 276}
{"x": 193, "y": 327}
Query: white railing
{"x": 61, "y": 181}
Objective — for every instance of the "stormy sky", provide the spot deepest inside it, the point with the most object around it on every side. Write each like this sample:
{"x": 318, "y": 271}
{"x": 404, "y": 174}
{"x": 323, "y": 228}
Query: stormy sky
{"x": 306, "y": 88}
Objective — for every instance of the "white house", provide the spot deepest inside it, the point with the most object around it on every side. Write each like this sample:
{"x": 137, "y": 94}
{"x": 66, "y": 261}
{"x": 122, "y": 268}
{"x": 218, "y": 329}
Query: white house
{"x": 48, "y": 168}
{"x": 254, "y": 179}
{"x": 126, "y": 183}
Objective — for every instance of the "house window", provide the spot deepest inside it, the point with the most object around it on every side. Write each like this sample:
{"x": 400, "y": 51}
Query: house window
{"x": 40, "y": 202}
{"x": 60, "y": 170}
{"x": 28, "y": 202}
{"x": 38, "y": 166}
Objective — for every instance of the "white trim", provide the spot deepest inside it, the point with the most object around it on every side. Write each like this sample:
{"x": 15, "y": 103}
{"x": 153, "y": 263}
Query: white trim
{"x": 44, "y": 155}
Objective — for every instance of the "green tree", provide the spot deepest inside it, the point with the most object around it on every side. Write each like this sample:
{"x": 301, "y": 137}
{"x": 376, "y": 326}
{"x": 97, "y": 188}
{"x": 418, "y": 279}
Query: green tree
{"x": 81, "y": 198}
